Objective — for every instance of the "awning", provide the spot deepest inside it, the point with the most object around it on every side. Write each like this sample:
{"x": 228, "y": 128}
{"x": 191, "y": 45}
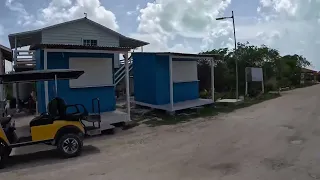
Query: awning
{"x": 40, "y": 75}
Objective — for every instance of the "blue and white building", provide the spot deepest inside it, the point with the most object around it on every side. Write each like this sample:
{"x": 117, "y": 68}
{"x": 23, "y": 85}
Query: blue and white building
{"x": 169, "y": 81}
{"x": 78, "y": 44}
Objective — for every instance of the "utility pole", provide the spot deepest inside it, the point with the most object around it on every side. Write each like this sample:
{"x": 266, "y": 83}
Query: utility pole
{"x": 235, "y": 50}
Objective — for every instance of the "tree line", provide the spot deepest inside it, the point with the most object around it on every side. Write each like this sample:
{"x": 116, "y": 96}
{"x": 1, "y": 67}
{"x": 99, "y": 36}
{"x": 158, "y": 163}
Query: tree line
{"x": 278, "y": 71}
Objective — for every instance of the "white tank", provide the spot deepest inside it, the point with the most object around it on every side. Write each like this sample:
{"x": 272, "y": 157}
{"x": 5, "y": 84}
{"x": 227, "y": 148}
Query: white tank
{"x": 25, "y": 90}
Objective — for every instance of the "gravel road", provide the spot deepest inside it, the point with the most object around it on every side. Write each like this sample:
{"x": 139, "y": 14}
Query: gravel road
{"x": 277, "y": 139}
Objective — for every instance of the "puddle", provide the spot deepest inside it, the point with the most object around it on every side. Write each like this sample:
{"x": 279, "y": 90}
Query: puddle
{"x": 288, "y": 127}
{"x": 296, "y": 142}
{"x": 226, "y": 168}
{"x": 276, "y": 164}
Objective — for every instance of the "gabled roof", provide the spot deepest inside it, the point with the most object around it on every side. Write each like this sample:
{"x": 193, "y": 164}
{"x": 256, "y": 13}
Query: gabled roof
{"x": 71, "y": 46}
{"x": 184, "y": 55}
{"x": 34, "y": 37}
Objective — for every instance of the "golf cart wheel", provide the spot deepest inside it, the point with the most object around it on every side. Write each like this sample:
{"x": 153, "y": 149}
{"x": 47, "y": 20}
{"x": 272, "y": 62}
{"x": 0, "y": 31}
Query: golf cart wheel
{"x": 3, "y": 154}
{"x": 70, "y": 145}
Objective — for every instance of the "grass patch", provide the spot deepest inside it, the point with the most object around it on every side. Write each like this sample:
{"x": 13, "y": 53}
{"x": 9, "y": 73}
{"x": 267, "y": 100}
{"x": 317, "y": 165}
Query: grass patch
{"x": 158, "y": 118}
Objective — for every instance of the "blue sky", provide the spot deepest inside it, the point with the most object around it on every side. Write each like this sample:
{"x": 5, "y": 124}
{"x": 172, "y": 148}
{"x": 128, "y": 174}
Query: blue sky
{"x": 291, "y": 26}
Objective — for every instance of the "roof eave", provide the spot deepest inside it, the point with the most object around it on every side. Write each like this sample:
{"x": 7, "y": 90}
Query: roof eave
{"x": 21, "y": 38}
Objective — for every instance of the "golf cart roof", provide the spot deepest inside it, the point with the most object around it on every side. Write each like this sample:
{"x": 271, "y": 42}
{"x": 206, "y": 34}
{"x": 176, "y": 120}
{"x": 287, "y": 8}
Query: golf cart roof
{"x": 40, "y": 75}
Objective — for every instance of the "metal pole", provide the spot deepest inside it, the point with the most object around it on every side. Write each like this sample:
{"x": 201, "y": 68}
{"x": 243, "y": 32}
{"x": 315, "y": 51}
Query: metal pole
{"x": 171, "y": 83}
{"x": 1, "y": 72}
{"x": 246, "y": 78}
{"x": 46, "y": 85}
{"x": 236, "y": 58}
{"x": 126, "y": 64}
{"x": 56, "y": 84}
{"x": 15, "y": 62}
{"x": 212, "y": 79}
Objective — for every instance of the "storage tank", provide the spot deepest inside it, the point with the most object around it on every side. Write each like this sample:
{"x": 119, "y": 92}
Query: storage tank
{"x": 25, "y": 90}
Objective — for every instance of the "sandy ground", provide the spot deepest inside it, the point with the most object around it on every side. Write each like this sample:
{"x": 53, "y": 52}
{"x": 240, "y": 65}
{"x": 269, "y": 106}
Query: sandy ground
{"x": 276, "y": 139}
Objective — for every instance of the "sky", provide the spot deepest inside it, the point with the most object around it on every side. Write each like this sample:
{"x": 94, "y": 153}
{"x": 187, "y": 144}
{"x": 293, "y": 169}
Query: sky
{"x": 291, "y": 26}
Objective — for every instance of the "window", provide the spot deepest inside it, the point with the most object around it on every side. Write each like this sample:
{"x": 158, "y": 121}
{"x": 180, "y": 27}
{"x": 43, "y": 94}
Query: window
{"x": 98, "y": 72}
{"x": 184, "y": 71}
{"x": 90, "y": 42}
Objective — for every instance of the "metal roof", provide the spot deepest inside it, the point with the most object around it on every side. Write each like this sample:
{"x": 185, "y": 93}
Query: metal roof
{"x": 6, "y": 52}
{"x": 28, "y": 38}
{"x": 40, "y": 75}
{"x": 187, "y": 55}
{"x": 71, "y": 46}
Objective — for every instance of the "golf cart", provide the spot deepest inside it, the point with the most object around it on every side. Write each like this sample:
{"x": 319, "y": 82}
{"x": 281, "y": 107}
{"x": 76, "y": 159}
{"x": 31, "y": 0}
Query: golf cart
{"x": 56, "y": 127}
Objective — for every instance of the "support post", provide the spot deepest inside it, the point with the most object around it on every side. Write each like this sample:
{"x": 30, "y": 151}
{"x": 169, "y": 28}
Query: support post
{"x": 212, "y": 79}
{"x": 246, "y": 79}
{"x": 56, "y": 85}
{"x": 46, "y": 86}
{"x": 171, "y": 83}
{"x": 236, "y": 58}
{"x": 15, "y": 62}
{"x": 1, "y": 72}
{"x": 262, "y": 82}
{"x": 126, "y": 63}
{"x": 141, "y": 48}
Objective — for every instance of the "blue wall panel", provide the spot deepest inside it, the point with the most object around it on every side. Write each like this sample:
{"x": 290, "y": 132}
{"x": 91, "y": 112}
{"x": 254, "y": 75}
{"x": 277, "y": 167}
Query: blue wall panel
{"x": 59, "y": 60}
{"x": 40, "y": 85}
{"x": 185, "y": 91}
{"x": 144, "y": 76}
{"x": 162, "y": 80}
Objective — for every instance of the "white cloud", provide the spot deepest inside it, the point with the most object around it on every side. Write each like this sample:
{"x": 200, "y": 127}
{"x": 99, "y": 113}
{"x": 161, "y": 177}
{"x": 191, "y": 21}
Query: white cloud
{"x": 163, "y": 20}
{"x": 287, "y": 6}
{"x": 134, "y": 12}
{"x": 64, "y": 10}
{"x": 24, "y": 17}
{"x": 1, "y": 30}
{"x": 294, "y": 27}
{"x": 291, "y": 26}
{"x": 159, "y": 43}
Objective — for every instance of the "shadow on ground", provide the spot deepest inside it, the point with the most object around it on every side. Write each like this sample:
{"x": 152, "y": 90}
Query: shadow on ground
{"x": 41, "y": 158}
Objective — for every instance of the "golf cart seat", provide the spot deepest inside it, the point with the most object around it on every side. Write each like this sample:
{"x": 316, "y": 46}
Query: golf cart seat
{"x": 57, "y": 110}
{"x": 63, "y": 113}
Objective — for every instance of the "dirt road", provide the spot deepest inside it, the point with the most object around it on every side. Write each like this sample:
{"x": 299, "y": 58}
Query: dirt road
{"x": 277, "y": 139}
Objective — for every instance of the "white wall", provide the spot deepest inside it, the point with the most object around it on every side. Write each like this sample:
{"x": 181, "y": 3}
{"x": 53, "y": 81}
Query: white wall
{"x": 74, "y": 33}
{"x": 184, "y": 71}
{"x": 97, "y": 72}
